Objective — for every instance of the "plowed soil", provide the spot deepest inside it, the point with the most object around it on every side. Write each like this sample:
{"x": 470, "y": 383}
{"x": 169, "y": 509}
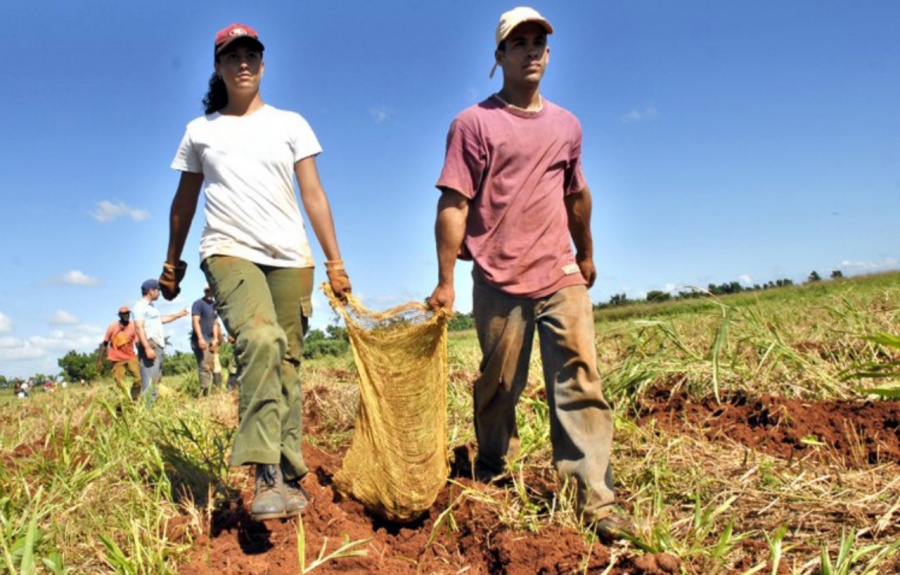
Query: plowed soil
{"x": 853, "y": 433}
{"x": 857, "y": 434}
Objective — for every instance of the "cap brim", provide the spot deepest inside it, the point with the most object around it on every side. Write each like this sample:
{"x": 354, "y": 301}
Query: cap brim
{"x": 232, "y": 41}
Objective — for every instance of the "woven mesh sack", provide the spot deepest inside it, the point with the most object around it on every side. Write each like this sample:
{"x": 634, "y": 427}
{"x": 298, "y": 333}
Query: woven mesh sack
{"x": 397, "y": 461}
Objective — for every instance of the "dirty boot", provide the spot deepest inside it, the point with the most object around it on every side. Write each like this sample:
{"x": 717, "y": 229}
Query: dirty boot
{"x": 295, "y": 497}
{"x": 268, "y": 503}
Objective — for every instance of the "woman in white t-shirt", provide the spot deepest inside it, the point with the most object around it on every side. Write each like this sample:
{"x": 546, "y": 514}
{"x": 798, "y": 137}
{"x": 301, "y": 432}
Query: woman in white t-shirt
{"x": 255, "y": 254}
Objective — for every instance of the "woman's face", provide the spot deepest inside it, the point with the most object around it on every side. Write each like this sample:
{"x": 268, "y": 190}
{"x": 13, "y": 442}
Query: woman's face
{"x": 241, "y": 69}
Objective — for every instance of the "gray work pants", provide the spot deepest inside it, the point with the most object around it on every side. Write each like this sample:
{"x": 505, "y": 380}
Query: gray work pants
{"x": 581, "y": 421}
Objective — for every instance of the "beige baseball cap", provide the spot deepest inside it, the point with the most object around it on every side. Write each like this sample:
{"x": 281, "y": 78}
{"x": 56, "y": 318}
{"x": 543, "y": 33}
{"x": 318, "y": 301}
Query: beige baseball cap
{"x": 512, "y": 18}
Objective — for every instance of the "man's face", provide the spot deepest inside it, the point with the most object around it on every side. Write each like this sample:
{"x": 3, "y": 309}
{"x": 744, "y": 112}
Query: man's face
{"x": 525, "y": 55}
{"x": 208, "y": 295}
{"x": 154, "y": 294}
{"x": 124, "y": 317}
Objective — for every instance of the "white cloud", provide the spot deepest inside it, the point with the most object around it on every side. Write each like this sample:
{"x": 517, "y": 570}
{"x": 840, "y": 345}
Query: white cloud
{"x": 885, "y": 264}
{"x": 21, "y": 352}
{"x": 10, "y": 342}
{"x": 635, "y": 115}
{"x": 62, "y": 317}
{"x": 77, "y": 278}
{"x": 669, "y": 288}
{"x": 6, "y": 324}
{"x": 381, "y": 113}
{"x": 107, "y": 211}
{"x": 39, "y": 354}
{"x": 745, "y": 279}
{"x": 87, "y": 329}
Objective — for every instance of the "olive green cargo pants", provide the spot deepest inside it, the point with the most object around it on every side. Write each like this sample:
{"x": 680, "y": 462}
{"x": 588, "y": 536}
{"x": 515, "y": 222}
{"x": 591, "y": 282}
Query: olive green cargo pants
{"x": 267, "y": 311}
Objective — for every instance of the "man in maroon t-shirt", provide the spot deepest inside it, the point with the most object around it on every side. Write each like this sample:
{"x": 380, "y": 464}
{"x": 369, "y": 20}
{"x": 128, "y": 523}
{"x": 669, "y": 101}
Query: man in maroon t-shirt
{"x": 514, "y": 200}
{"x": 118, "y": 343}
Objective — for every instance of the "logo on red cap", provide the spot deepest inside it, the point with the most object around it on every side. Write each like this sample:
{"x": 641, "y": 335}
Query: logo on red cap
{"x": 231, "y": 33}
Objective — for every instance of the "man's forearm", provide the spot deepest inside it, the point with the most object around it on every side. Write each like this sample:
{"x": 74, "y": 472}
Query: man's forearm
{"x": 173, "y": 316}
{"x": 578, "y": 208}
{"x": 449, "y": 231}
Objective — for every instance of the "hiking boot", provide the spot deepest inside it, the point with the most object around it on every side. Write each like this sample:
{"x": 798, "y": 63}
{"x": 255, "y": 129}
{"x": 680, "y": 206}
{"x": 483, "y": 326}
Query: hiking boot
{"x": 613, "y": 527}
{"x": 295, "y": 497}
{"x": 268, "y": 503}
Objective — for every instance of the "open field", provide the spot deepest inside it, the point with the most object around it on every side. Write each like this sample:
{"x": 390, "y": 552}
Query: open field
{"x": 740, "y": 448}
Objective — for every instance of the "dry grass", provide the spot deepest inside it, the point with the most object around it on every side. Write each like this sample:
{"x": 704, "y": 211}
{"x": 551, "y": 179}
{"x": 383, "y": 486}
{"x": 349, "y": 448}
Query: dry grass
{"x": 89, "y": 484}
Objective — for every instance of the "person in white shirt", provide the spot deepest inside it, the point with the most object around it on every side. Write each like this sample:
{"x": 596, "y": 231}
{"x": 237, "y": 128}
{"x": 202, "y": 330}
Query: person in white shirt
{"x": 151, "y": 342}
{"x": 254, "y": 252}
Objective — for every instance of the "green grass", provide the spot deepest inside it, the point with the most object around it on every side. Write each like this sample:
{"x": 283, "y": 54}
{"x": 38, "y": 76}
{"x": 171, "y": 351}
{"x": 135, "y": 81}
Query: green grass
{"x": 90, "y": 483}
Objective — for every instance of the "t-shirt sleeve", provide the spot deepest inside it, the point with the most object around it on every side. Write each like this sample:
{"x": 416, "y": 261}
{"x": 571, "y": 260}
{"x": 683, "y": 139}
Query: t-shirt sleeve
{"x": 303, "y": 140}
{"x": 197, "y": 308}
{"x": 575, "y": 181}
{"x": 139, "y": 313}
{"x": 187, "y": 158}
{"x": 464, "y": 162}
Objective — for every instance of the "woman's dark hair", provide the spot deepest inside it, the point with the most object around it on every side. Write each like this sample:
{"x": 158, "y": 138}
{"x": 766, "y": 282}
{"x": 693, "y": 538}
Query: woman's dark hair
{"x": 217, "y": 96}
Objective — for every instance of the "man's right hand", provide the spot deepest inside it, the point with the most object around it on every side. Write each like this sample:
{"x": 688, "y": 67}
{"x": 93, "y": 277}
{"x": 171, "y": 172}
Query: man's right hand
{"x": 150, "y": 352}
{"x": 443, "y": 296}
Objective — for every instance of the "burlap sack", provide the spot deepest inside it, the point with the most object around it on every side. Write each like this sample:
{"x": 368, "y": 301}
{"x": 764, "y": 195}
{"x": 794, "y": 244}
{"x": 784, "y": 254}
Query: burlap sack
{"x": 397, "y": 462}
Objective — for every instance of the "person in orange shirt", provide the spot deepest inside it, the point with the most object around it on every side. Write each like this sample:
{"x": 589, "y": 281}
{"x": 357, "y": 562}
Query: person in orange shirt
{"x": 118, "y": 345}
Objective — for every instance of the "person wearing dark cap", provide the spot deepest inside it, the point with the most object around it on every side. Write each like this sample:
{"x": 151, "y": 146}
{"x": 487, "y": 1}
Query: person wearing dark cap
{"x": 205, "y": 338}
{"x": 514, "y": 200}
{"x": 245, "y": 154}
{"x": 148, "y": 323}
{"x": 118, "y": 347}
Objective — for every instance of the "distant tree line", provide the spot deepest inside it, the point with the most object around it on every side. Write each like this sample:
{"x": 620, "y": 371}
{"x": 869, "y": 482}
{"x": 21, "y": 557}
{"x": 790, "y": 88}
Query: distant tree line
{"x": 656, "y": 296}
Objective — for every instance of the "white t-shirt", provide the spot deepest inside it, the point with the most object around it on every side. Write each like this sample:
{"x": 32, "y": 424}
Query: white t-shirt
{"x": 146, "y": 312}
{"x": 247, "y": 164}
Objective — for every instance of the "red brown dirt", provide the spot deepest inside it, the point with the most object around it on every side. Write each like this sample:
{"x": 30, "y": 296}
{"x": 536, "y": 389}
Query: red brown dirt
{"x": 235, "y": 544}
{"x": 855, "y": 433}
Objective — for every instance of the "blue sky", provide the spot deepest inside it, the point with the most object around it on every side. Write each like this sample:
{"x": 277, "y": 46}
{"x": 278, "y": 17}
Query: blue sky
{"x": 744, "y": 140}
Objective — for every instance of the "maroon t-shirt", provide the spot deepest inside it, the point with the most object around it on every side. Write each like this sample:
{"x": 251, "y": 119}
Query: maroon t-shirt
{"x": 516, "y": 167}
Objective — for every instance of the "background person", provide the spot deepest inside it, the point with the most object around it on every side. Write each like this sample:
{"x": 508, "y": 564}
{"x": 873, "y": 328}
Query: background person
{"x": 118, "y": 345}
{"x": 151, "y": 341}
{"x": 513, "y": 199}
{"x": 205, "y": 338}
{"x": 255, "y": 255}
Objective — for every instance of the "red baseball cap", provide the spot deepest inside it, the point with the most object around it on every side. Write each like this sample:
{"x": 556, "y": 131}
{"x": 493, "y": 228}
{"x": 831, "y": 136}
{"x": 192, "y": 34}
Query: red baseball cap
{"x": 236, "y": 31}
